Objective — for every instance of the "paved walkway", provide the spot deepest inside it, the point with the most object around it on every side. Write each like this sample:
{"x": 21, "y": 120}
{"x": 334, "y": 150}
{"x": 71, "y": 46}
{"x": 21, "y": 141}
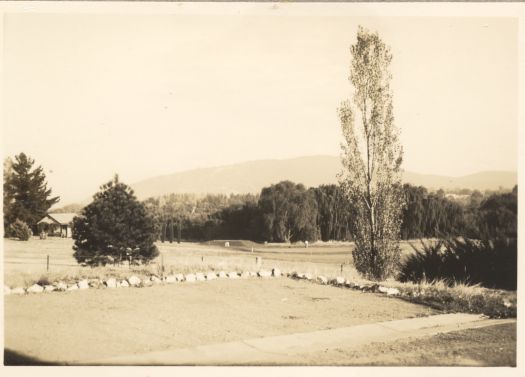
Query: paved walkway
{"x": 277, "y": 350}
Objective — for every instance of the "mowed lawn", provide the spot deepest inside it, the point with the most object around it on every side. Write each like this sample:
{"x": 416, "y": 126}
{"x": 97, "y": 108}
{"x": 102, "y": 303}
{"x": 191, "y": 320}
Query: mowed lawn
{"x": 27, "y": 260}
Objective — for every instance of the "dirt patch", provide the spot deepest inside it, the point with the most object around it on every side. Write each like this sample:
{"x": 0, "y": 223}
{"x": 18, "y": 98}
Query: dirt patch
{"x": 94, "y": 324}
{"x": 488, "y": 346}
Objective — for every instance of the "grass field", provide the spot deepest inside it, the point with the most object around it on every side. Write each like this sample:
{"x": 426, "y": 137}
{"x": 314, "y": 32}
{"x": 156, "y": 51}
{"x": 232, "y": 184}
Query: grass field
{"x": 27, "y": 261}
{"x": 67, "y": 327}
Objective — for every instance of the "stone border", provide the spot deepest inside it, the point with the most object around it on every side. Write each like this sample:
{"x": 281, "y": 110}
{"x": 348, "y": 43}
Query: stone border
{"x": 413, "y": 295}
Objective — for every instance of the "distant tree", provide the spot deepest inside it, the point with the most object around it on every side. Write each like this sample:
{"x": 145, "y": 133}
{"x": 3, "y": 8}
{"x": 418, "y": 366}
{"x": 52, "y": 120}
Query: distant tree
{"x": 26, "y": 195}
{"x": 70, "y": 208}
{"x": 372, "y": 157}
{"x": 414, "y": 212}
{"x": 114, "y": 226}
{"x": 163, "y": 232}
{"x": 498, "y": 216}
{"x": 333, "y": 213}
{"x": 289, "y": 213}
{"x": 170, "y": 231}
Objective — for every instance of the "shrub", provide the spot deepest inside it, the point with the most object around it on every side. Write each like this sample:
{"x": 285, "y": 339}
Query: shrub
{"x": 20, "y": 230}
{"x": 114, "y": 227}
{"x": 491, "y": 263}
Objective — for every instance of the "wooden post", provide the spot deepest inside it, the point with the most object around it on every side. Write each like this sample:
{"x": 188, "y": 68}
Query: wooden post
{"x": 47, "y": 264}
{"x": 341, "y": 268}
{"x": 162, "y": 267}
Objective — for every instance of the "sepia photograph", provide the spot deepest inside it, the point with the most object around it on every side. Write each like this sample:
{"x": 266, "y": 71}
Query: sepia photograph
{"x": 260, "y": 184}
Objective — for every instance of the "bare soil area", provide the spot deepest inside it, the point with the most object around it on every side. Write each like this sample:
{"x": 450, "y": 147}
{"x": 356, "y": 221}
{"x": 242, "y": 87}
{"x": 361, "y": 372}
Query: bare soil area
{"x": 72, "y": 327}
{"x": 489, "y": 346}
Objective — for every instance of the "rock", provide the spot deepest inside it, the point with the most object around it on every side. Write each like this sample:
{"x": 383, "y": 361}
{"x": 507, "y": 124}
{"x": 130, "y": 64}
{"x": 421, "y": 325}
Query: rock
{"x": 507, "y": 303}
{"x": 155, "y": 280}
{"x": 18, "y": 291}
{"x": 233, "y": 275}
{"x": 211, "y": 276}
{"x": 226, "y": 244}
{"x": 252, "y": 274}
{"x": 308, "y": 276}
{"x": 7, "y": 290}
{"x": 382, "y": 289}
{"x": 170, "y": 279}
{"x": 124, "y": 284}
{"x": 147, "y": 283}
{"x": 199, "y": 276}
{"x": 392, "y": 292}
{"x": 61, "y": 286}
{"x": 179, "y": 277}
{"x": 276, "y": 272}
{"x": 339, "y": 280}
{"x": 72, "y": 287}
{"x": 35, "y": 288}
{"x": 222, "y": 275}
{"x": 190, "y": 278}
{"x": 111, "y": 283}
{"x": 322, "y": 279}
{"x": 265, "y": 273}
{"x": 349, "y": 284}
{"x": 95, "y": 283}
{"x": 300, "y": 275}
{"x": 245, "y": 275}
{"x": 49, "y": 288}
{"x": 83, "y": 284}
{"x": 133, "y": 281}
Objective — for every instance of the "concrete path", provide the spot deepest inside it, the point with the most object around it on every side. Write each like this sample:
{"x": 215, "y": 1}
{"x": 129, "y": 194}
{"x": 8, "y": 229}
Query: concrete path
{"x": 277, "y": 350}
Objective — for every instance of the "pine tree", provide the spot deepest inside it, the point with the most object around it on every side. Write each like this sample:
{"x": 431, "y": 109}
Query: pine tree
{"x": 372, "y": 156}
{"x": 26, "y": 195}
{"x": 114, "y": 225}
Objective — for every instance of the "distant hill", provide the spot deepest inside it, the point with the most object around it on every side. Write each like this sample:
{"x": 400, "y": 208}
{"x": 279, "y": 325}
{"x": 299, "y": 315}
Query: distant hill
{"x": 252, "y": 176}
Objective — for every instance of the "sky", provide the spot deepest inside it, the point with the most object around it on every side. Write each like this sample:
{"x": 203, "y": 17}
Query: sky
{"x": 141, "y": 95}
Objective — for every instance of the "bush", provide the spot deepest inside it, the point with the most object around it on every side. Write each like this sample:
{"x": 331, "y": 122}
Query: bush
{"x": 114, "y": 227}
{"x": 491, "y": 263}
{"x": 20, "y": 230}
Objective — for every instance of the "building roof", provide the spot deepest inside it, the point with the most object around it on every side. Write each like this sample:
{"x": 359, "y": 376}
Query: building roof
{"x": 58, "y": 218}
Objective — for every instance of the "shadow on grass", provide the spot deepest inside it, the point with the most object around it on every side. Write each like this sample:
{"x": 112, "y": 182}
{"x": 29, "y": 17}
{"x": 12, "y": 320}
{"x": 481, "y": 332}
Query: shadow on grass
{"x": 12, "y": 358}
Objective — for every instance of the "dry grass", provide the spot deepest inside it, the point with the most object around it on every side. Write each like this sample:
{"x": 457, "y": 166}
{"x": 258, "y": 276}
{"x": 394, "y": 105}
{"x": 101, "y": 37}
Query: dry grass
{"x": 25, "y": 265}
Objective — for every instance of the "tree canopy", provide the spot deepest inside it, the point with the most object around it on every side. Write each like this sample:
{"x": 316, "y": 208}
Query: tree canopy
{"x": 114, "y": 226}
{"x": 26, "y": 194}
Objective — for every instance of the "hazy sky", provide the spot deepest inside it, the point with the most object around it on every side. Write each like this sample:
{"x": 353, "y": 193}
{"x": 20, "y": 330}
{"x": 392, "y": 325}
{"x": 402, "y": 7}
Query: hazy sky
{"x": 143, "y": 95}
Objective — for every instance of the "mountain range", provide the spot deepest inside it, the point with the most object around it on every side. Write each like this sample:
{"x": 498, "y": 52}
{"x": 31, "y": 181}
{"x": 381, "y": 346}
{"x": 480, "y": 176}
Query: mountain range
{"x": 252, "y": 176}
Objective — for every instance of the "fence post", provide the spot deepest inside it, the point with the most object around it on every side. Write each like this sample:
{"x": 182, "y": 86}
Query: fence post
{"x": 162, "y": 267}
{"x": 47, "y": 264}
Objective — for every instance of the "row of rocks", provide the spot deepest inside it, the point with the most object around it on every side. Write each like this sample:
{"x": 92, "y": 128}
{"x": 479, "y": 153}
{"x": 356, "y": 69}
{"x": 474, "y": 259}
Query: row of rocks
{"x": 135, "y": 281}
{"x": 342, "y": 282}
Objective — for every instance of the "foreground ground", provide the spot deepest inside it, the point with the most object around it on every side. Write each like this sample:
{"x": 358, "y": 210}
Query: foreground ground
{"x": 97, "y": 324}
{"x": 489, "y": 346}
{"x": 94, "y": 324}
{"x": 82, "y": 326}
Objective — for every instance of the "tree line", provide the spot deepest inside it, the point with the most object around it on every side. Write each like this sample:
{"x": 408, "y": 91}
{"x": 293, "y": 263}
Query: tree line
{"x": 289, "y": 212}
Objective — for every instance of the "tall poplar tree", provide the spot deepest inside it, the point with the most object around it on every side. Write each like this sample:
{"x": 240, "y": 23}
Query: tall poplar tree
{"x": 371, "y": 157}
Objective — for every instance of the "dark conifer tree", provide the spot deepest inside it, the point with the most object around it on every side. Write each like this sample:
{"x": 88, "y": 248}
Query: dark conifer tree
{"x": 113, "y": 225}
{"x": 26, "y": 191}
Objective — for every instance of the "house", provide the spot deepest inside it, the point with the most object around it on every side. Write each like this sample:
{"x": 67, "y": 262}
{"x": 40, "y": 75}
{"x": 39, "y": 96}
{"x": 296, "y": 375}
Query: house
{"x": 57, "y": 224}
